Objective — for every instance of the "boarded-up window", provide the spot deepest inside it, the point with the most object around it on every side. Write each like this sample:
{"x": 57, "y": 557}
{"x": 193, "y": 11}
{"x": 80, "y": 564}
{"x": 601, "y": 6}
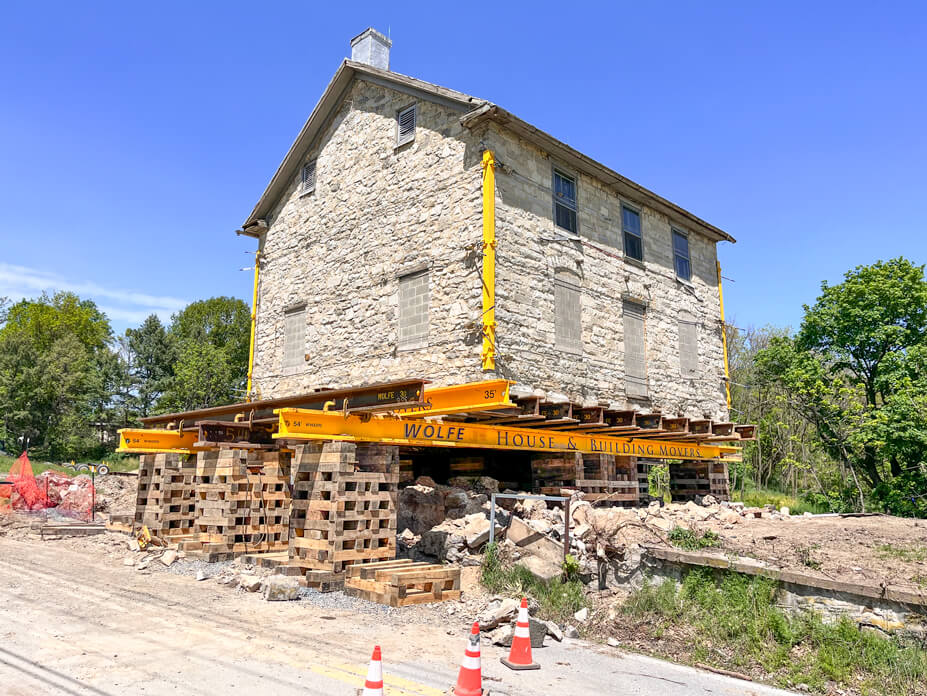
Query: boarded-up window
{"x": 294, "y": 338}
{"x": 635, "y": 356}
{"x": 688, "y": 346}
{"x": 568, "y": 318}
{"x": 414, "y": 295}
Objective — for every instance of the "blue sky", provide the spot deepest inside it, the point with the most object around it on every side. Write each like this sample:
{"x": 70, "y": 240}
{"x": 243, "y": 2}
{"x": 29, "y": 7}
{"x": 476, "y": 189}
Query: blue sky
{"x": 136, "y": 137}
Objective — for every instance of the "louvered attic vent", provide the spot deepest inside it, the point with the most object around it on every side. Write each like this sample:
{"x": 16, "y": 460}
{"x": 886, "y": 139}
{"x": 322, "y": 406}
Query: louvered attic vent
{"x": 406, "y": 126}
{"x": 307, "y": 178}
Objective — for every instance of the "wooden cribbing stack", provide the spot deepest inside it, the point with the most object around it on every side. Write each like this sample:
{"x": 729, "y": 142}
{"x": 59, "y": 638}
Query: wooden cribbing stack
{"x": 401, "y": 582}
{"x": 550, "y": 472}
{"x": 242, "y": 503}
{"x": 165, "y": 501}
{"x": 345, "y": 498}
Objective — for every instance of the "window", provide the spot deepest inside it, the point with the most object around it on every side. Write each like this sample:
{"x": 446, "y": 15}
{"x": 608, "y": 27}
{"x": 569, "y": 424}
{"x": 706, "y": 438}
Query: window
{"x": 568, "y": 324}
{"x": 294, "y": 338}
{"x": 688, "y": 346}
{"x": 681, "y": 255}
{"x": 633, "y": 241}
{"x": 307, "y": 177}
{"x": 635, "y": 356}
{"x": 565, "y": 201}
{"x": 413, "y": 310}
{"x": 405, "y": 126}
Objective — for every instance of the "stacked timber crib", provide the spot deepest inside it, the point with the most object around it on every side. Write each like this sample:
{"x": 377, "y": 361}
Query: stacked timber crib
{"x": 242, "y": 503}
{"x": 344, "y": 504}
{"x": 165, "y": 499}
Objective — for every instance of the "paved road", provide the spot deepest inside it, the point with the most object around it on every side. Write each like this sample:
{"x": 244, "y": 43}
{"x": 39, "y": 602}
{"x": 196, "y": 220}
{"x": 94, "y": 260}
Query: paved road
{"x": 82, "y": 625}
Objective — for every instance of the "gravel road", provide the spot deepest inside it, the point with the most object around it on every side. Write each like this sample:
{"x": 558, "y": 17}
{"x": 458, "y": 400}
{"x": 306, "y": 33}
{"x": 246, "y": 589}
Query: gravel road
{"x": 84, "y": 625}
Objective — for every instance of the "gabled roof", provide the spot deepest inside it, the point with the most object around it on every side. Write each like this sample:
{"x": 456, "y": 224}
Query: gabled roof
{"x": 474, "y": 111}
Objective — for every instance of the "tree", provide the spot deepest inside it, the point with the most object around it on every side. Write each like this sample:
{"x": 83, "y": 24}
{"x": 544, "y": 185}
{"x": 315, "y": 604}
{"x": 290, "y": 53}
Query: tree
{"x": 209, "y": 340}
{"x": 855, "y": 370}
{"x": 150, "y": 358}
{"x": 50, "y": 351}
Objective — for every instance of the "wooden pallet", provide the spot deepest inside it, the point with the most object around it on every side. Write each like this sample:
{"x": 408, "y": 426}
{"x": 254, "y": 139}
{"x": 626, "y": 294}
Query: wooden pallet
{"x": 401, "y": 582}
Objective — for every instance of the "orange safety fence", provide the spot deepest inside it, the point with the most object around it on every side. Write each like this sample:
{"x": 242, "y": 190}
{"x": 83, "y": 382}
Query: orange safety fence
{"x": 71, "y": 496}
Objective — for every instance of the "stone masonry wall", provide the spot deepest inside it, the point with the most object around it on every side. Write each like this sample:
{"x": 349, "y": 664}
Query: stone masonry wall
{"x": 531, "y": 251}
{"x": 378, "y": 212}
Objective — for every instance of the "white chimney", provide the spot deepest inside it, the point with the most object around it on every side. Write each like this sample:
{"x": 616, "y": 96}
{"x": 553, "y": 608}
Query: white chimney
{"x": 372, "y": 48}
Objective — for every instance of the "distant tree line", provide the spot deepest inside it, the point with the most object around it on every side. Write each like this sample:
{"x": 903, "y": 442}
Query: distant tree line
{"x": 66, "y": 382}
{"x": 842, "y": 402}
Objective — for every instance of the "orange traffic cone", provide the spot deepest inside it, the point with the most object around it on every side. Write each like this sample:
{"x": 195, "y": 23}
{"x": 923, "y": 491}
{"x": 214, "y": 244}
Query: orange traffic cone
{"x": 374, "y": 684}
{"x": 520, "y": 654}
{"x": 470, "y": 679}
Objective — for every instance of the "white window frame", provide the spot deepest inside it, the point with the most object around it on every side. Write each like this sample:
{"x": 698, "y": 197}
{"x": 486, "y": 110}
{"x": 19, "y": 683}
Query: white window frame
{"x": 673, "y": 232}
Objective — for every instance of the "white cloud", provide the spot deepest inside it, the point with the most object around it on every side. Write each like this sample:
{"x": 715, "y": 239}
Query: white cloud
{"x": 121, "y": 306}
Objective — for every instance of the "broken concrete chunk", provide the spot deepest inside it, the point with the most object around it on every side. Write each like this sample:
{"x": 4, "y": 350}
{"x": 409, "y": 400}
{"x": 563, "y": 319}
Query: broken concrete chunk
{"x": 660, "y": 523}
{"x": 540, "y": 567}
{"x": 250, "y": 583}
{"x": 504, "y": 634}
{"x": 582, "y": 615}
{"x": 613, "y": 643}
{"x": 570, "y": 632}
{"x": 168, "y": 557}
{"x": 498, "y": 612}
{"x": 553, "y": 630}
{"x": 128, "y": 561}
{"x": 279, "y": 588}
{"x": 201, "y": 575}
{"x": 133, "y": 545}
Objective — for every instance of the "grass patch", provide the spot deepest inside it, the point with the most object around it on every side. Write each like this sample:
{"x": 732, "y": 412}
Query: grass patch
{"x": 908, "y": 555}
{"x": 116, "y": 462}
{"x": 732, "y": 621}
{"x": 693, "y": 541}
{"x": 559, "y": 599}
{"x": 763, "y": 497}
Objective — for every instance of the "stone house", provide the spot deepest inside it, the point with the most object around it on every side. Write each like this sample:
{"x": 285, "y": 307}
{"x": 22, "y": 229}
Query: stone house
{"x": 370, "y": 235}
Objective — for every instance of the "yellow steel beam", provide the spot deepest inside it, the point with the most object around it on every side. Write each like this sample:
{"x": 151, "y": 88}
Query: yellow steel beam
{"x": 257, "y": 271}
{"x": 473, "y": 396}
{"x": 304, "y": 424}
{"x": 727, "y": 372}
{"x": 489, "y": 261}
{"x": 142, "y": 441}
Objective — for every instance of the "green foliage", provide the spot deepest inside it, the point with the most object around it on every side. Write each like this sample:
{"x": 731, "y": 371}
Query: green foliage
{"x": 857, "y": 373}
{"x": 915, "y": 554}
{"x": 66, "y": 384}
{"x": 693, "y": 541}
{"x": 738, "y": 626}
{"x": 152, "y": 358}
{"x": 51, "y": 350}
{"x": 559, "y": 599}
{"x": 571, "y": 567}
{"x": 209, "y": 341}
{"x": 754, "y": 497}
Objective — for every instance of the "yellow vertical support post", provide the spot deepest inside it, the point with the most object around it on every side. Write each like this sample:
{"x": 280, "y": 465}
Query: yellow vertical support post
{"x": 727, "y": 372}
{"x": 254, "y": 299}
{"x": 489, "y": 261}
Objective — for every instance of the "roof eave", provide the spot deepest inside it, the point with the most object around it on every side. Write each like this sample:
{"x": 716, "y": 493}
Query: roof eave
{"x": 329, "y": 101}
{"x": 563, "y": 152}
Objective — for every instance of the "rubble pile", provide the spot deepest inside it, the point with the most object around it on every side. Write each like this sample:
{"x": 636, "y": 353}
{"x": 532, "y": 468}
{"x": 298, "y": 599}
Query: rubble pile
{"x": 451, "y": 523}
